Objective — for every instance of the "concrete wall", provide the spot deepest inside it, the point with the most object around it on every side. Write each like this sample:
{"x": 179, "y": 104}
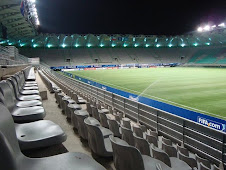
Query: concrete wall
{"x": 10, "y": 70}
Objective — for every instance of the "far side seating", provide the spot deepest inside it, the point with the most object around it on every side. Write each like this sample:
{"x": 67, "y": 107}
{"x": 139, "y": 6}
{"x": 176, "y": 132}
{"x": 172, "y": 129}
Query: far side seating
{"x": 11, "y": 157}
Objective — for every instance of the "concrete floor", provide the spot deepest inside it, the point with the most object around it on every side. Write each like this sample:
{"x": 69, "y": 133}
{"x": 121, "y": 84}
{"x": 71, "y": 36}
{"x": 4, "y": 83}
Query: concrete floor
{"x": 73, "y": 143}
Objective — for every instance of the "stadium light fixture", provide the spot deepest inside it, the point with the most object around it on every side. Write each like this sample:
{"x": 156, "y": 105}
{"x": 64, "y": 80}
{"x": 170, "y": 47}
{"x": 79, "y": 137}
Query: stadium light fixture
{"x": 208, "y": 43}
{"x": 221, "y": 25}
{"x": 134, "y": 39}
{"x": 2, "y": 42}
{"x": 49, "y": 45}
{"x": 195, "y": 44}
{"x": 76, "y": 45}
{"x": 10, "y": 43}
{"x": 147, "y": 45}
{"x": 207, "y": 28}
{"x": 35, "y": 45}
{"x": 113, "y": 45}
{"x": 182, "y": 45}
{"x": 200, "y": 29}
{"x": 135, "y": 45}
{"x": 64, "y": 45}
{"x": 170, "y": 45}
{"x": 124, "y": 45}
{"x": 158, "y": 45}
{"x": 21, "y": 45}
{"x": 101, "y": 45}
{"x": 88, "y": 45}
{"x": 213, "y": 26}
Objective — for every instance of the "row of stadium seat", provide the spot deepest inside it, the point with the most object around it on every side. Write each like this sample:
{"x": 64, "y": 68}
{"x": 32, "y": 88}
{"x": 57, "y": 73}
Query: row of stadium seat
{"x": 22, "y": 128}
{"x": 109, "y": 133}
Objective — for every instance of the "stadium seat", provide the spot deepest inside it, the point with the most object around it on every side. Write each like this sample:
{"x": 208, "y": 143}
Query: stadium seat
{"x": 82, "y": 129}
{"x": 18, "y": 95}
{"x": 20, "y": 114}
{"x": 153, "y": 133}
{"x": 183, "y": 150}
{"x": 97, "y": 143}
{"x": 167, "y": 141}
{"x": 138, "y": 131}
{"x": 169, "y": 149}
{"x": 127, "y": 135}
{"x": 65, "y": 102}
{"x": 128, "y": 157}
{"x": 203, "y": 167}
{"x": 142, "y": 145}
{"x": 114, "y": 126}
{"x": 205, "y": 162}
{"x": 190, "y": 161}
{"x": 11, "y": 157}
{"x": 126, "y": 123}
{"x": 39, "y": 134}
{"x": 103, "y": 119}
{"x": 70, "y": 109}
{"x": 89, "y": 108}
{"x": 152, "y": 139}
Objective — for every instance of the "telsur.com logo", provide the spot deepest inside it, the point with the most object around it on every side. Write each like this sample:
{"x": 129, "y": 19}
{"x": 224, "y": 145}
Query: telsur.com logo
{"x": 211, "y": 124}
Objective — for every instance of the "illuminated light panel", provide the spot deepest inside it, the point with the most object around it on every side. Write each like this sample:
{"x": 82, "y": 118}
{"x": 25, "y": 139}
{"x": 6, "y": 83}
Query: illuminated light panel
{"x": 135, "y": 45}
{"x": 76, "y": 45}
{"x": 10, "y": 43}
{"x": 158, "y": 45}
{"x": 170, "y": 45}
{"x": 101, "y": 45}
{"x": 113, "y": 45}
{"x": 89, "y": 45}
{"x": 207, "y": 28}
{"x": 35, "y": 45}
{"x": 147, "y": 45}
{"x": 49, "y": 45}
{"x": 195, "y": 44}
{"x": 207, "y": 43}
{"x": 182, "y": 45}
{"x": 221, "y": 25}
{"x": 124, "y": 45}
{"x": 64, "y": 45}
{"x": 2, "y": 42}
{"x": 200, "y": 29}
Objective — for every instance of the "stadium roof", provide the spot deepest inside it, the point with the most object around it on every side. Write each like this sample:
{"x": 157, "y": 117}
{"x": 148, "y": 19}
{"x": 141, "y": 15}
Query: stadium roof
{"x": 11, "y": 17}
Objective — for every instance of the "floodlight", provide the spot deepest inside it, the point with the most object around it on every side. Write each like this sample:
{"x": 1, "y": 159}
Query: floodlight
{"x": 208, "y": 43}
{"x": 207, "y": 28}
{"x": 113, "y": 45}
{"x": 170, "y": 45}
{"x": 76, "y": 45}
{"x": 221, "y": 25}
{"x": 101, "y": 45}
{"x": 147, "y": 45}
{"x": 213, "y": 26}
{"x": 135, "y": 45}
{"x": 35, "y": 45}
{"x": 124, "y": 45}
{"x": 10, "y": 43}
{"x": 49, "y": 45}
{"x": 89, "y": 45}
{"x": 182, "y": 45}
{"x": 200, "y": 29}
{"x": 158, "y": 45}
{"x": 195, "y": 44}
{"x": 37, "y": 22}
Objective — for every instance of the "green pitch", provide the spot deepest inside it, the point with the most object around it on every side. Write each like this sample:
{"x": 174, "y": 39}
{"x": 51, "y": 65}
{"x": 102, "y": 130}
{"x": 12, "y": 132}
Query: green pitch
{"x": 199, "y": 89}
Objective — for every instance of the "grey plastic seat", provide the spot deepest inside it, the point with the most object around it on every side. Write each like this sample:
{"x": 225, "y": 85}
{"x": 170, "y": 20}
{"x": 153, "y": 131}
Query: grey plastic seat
{"x": 127, "y": 135}
{"x": 61, "y": 101}
{"x": 152, "y": 139}
{"x": 103, "y": 119}
{"x": 18, "y": 95}
{"x": 169, "y": 149}
{"x": 11, "y": 157}
{"x": 203, "y": 167}
{"x": 166, "y": 141}
{"x": 8, "y": 93}
{"x": 82, "y": 129}
{"x": 128, "y": 157}
{"x": 138, "y": 131}
{"x": 78, "y": 99}
{"x": 39, "y": 134}
{"x": 183, "y": 150}
{"x": 21, "y": 115}
{"x": 65, "y": 103}
{"x": 20, "y": 87}
{"x": 59, "y": 97}
{"x": 97, "y": 143}
{"x": 95, "y": 113}
{"x": 142, "y": 145}
{"x": 105, "y": 132}
{"x": 153, "y": 133}
{"x": 173, "y": 162}
{"x": 71, "y": 108}
{"x": 89, "y": 108}
{"x": 114, "y": 126}
{"x": 126, "y": 123}
{"x": 190, "y": 161}
{"x": 205, "y": 162}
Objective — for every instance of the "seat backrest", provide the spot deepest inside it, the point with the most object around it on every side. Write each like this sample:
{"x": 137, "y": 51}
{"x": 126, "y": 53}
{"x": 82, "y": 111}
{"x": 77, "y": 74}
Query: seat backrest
{"x": 170, "y": 150}
{"x": 114, "y": 127}
{"x": 190, "y": 161}
{"x": 125, "y": 156}
{"x": 13, "y": 81}
{"x": 167, "y": 141}
{"x": 127, "y": 135}
{"x": 143, "y": 127}
{"x": 126, "y": 124}
{"x": 203, "y": 167}
{"x": 138, "y": 131}
{"x": 152, "y": 139}
{"x": 153, "y": 133}
{"x": 88, "y": 108}
{"x": 205, "y": 162}
{"x": 183, "y": 150}
{"x": 19, "y": 82}
{"x": 160, "y": 155}
{"x": 9, "y": 98}
{"x": 9, "y": 146}
{"x": 95, "y": 138}
{"x": 95, "y": 113}
{"x": 142, "y": 145}
{"x": 103, "y": 120}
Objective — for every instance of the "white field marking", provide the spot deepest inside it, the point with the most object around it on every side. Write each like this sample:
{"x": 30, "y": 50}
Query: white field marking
{"x": 202, "y": 111}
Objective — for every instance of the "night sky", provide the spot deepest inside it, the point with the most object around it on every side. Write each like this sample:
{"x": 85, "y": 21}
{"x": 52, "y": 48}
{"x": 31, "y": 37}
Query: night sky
{"x": 148, "y": 17}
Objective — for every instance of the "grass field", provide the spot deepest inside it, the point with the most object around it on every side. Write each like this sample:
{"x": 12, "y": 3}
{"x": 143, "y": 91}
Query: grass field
{"x": 199, "y": 89}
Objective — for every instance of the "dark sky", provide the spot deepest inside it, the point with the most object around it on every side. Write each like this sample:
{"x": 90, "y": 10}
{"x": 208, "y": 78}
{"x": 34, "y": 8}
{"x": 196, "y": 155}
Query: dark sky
{"x": 127, "y": 16}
